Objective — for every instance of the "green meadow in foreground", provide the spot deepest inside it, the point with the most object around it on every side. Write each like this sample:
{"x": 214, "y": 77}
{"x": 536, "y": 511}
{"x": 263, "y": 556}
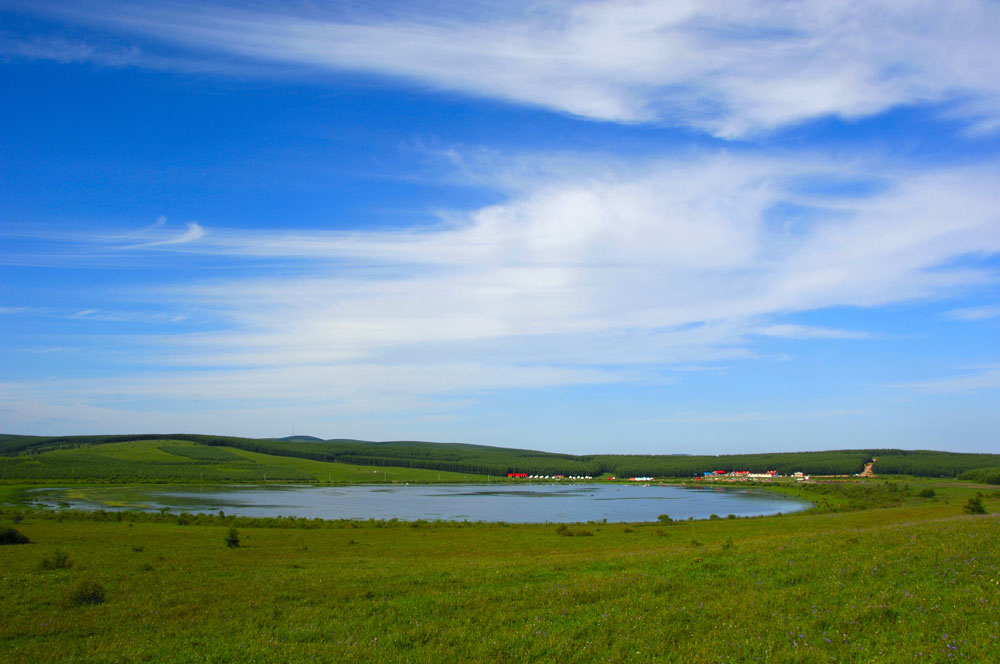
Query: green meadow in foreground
{"x": 916, "y": 581}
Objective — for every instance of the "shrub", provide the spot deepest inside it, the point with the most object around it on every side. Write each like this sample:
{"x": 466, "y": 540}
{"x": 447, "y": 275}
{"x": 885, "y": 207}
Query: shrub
{"x": 232, "y": 538}
{"x": 12, "y": 536}
{"x": 664, "y": 518}
{"x": 926, "y": 493}
{"x": 975, "y": 505}
{"x": 58, "y": 560}
{"x": 86, "y": 592}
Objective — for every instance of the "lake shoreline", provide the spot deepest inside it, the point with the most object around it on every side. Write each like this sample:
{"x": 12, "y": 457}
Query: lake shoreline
{"x": 474, "y": 502}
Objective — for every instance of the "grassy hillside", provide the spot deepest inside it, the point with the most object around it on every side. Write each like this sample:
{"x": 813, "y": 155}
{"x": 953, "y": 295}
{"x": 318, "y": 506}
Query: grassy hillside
{"x": 925, "y": 463}
{"x": 917, "y": 582}
{"x": 982, "y": 475}
{"x": 186, "y": 461}
{"x": 482, "y": 460}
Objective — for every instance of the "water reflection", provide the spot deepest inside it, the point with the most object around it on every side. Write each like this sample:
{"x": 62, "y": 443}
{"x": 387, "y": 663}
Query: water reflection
{"x": 514, "y": 504}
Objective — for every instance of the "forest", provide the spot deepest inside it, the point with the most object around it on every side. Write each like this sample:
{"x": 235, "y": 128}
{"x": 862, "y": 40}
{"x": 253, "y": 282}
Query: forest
{"x": 498, "y": 461}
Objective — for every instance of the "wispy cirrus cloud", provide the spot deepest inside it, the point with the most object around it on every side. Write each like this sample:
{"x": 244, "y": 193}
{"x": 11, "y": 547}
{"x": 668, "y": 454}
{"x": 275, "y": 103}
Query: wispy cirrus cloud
{"x": 727, "y": 67}
{"x": 591, "y": 271}
{"x": 756, "y": 416}
{"x": 127, "y": 316}
{"x": 788, "y": 331}
{"x": 63, "y": 50}
{"x": 193, "y": 232}
{"x": 667, "y": 262}
{"x": 975, "y": 313}
{"x": 977, "y": 379}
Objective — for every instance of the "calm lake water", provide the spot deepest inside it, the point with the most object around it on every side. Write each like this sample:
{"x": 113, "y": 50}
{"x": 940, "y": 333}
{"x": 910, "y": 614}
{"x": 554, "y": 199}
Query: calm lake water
{"x": 514, "y": 504}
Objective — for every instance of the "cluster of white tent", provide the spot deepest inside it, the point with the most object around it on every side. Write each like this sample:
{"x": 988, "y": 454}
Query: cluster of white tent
{"x": 560, "y": 477}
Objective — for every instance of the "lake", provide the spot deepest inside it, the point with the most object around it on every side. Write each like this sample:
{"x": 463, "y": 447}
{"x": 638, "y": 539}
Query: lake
{"x": 534, "y": 503}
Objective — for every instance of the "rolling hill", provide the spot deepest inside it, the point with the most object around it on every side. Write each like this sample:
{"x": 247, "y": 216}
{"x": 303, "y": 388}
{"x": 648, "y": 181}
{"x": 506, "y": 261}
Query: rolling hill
{"x": 230, "y": 457}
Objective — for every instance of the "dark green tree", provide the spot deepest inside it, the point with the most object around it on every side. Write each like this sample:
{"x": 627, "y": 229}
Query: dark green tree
{"x": 975, "y": 505}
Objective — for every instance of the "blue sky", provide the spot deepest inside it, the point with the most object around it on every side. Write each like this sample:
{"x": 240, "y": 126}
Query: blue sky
{"x": 645, "y": 227}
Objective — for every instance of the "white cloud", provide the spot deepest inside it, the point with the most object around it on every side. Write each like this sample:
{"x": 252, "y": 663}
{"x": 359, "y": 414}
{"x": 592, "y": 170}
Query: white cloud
{"x": 67, "y": 51}
{"x": 669, "y": 262}
{"x": 755, "y": 416}
{"x": 193, "y": 232}
{"x": 120, "y": 316}
{"x": 976, "y": 313}
{"x": 983, "y": 378}
{"x": 728, "y": 67}
{"x": 647, "y": 253}
{"x": 592, "y": 274}
{"x": 810, "y": 332}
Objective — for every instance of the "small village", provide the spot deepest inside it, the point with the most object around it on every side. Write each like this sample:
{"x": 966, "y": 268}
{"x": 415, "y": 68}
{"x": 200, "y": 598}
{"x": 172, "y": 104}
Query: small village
{"x": 710, "y": 476}
{"x": 747, "y": 476}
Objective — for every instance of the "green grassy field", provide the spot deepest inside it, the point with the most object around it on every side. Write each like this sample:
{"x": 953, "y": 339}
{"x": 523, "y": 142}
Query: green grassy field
{"x": 918, "y": 581}
{"x": 185, "y": 461}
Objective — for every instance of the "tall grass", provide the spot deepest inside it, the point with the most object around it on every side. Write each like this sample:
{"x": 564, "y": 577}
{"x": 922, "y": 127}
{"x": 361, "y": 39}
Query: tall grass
{"x": 917, "y": 582}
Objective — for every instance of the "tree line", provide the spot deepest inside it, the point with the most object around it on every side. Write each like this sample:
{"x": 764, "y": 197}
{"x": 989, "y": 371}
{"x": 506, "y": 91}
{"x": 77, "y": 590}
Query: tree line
{"x": 483, "y": 459}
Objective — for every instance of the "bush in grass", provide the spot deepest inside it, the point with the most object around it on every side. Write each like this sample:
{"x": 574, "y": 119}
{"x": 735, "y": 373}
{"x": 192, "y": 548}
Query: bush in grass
{"x": 12, "y": 536}
{"x": 975, "y": 505}
{"x": 926, "y": 493}
{"x": 58, "y": 560}
{"x": 86, "y": 592}
{"x": 664, "y": 518}
{"x": 232, "y": 538}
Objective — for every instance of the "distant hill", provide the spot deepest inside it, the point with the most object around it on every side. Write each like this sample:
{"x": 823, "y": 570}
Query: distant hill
{"x": 494, "y": 461}
{"x": 172, "y": 460}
